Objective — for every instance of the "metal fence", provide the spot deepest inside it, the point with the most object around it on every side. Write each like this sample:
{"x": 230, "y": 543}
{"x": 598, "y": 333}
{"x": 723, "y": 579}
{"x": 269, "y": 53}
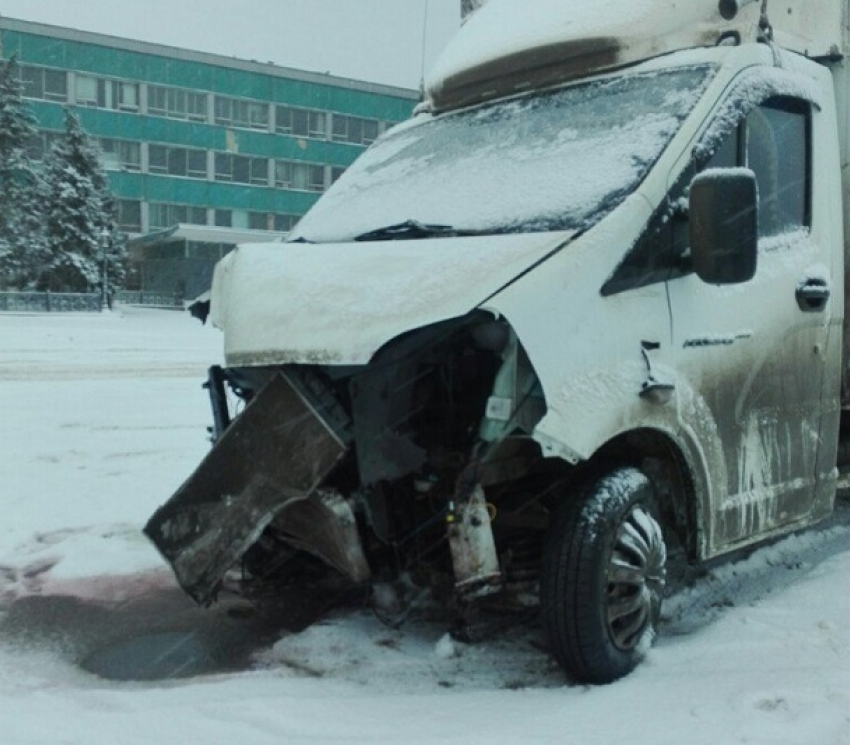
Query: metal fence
{"x": 150, "y": 299}
{"x": 41, "y": 302}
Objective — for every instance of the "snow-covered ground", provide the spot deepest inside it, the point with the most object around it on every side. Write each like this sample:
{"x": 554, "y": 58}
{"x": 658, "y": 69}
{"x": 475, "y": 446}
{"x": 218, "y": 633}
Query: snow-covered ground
{"x": 103, "y": 416}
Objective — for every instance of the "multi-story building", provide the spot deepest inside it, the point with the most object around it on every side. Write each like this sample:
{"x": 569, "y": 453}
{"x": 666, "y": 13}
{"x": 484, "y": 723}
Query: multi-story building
{"x": 227, "y": 149}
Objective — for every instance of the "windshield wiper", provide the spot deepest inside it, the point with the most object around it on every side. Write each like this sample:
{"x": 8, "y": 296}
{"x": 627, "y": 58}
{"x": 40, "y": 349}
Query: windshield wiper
{"x": 411, "y": 230}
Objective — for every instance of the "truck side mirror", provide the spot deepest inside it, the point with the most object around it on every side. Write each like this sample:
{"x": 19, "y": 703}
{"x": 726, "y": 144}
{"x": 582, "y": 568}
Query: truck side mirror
{"x": 724, "y": 225}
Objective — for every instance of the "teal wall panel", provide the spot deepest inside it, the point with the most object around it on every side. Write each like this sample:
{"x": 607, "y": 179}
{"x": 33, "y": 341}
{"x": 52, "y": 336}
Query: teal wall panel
{"x": 154, "y": 188}
{"x": 102, "y": 123}
{"x": 110, "y": 58}
{"x": 152, "y": 68}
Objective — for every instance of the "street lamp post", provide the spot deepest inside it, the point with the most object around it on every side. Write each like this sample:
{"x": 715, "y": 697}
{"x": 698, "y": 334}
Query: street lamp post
{"x": 104, "y": 244}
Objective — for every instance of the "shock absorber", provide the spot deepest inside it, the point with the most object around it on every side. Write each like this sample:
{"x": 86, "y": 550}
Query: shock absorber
{"x": 473, "y": 549}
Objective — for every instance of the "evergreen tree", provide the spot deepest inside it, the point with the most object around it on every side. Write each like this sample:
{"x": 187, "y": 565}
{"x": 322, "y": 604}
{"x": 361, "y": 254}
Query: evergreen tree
{"x": 79, "y": 218}
{"x": 21, "y": 234}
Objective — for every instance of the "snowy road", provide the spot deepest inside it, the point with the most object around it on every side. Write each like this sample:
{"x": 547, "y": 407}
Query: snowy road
{"x": 102, "y": 418}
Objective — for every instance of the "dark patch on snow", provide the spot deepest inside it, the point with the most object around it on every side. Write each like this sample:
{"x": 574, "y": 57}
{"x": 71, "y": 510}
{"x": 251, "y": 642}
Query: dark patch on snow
{"x": 166, "y": 655}
{"x": 156, "y": 636}
{"x": 747, "y": 576}
{"x": 157, "y": 633}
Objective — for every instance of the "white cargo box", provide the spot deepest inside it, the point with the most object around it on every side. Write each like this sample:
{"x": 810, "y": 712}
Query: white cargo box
{"x": 509, "y": 46}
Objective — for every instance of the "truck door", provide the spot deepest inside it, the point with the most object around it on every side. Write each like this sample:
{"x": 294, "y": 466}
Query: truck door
{"x": 754, "y": 354}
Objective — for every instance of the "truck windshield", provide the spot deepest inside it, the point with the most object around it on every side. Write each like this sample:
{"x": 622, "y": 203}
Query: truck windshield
{"x": 552, "y": 161}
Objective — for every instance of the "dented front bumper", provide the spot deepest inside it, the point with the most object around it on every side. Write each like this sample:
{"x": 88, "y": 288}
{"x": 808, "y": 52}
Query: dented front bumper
{"x": 266, "y": 467}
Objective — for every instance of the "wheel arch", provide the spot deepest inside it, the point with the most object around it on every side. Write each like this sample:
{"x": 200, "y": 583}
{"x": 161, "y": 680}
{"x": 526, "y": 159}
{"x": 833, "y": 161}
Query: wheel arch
{"x": 673, "y": 471}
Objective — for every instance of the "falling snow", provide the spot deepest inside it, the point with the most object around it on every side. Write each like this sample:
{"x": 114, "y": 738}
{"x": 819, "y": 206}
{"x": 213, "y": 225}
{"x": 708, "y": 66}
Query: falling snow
{"x": 103, "y": 418}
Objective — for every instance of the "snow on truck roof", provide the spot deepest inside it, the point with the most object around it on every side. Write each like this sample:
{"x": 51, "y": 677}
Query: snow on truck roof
{"x": 509, "y": 46}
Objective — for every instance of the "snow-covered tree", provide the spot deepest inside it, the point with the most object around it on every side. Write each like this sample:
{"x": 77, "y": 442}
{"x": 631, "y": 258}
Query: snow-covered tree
{"x": 79, "y": 217}
{"x": 21, "y": 244}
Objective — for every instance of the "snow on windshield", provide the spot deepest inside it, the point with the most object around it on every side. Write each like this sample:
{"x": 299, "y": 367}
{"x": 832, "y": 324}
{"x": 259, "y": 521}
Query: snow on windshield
{"x": 550, "y": 161}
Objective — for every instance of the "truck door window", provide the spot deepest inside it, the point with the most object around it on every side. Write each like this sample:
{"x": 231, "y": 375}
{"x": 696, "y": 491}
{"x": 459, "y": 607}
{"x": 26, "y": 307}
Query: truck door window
{"x": 773, "y": 140}
{"x": 777, "y": 150}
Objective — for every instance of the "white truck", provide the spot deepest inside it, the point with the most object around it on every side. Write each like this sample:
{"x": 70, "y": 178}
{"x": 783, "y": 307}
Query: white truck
{"x": 576, "y": 322}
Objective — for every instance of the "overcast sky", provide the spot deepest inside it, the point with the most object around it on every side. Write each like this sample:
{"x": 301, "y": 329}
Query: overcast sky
{"x": 376, "y": 40}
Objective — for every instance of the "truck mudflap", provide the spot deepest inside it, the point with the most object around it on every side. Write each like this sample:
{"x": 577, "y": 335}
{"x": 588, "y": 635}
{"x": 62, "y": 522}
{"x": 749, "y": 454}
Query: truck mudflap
{"x": 272, "y": 457}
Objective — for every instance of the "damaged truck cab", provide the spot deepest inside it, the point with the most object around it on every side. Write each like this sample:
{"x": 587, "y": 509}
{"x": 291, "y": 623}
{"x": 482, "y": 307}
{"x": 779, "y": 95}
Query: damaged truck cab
{"x": 578, "y": 320}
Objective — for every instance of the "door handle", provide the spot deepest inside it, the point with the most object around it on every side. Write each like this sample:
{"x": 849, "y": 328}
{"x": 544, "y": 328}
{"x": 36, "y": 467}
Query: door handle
{"x": 812, "y": 295}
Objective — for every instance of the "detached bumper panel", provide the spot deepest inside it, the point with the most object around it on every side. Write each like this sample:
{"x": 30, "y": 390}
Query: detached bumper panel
{"x": 274, "y": 454}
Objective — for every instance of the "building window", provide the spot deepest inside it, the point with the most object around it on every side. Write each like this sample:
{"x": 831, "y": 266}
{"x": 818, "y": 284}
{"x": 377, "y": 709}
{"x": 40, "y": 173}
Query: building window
{"x": 124, "y": 95}
{"x": 130, "y": 215}
{"x": 258, "y": 220}
{"x": 204, "y": 250}
{"x": 177, "y": 103}
{"x": 241, "y": 169}
{"x": 353, "y": 129}
{"x": 232, "y": 219}
{"x": 233, "y": 112}
{"x": 269, "y": 221}
{"x": 86, "y": 90}
{"x": 301, "y": 122}
{"x": 285, "y": 223}
{"x": 41, "y": 143}
{"x": 47, "y": 85}
{"x": 336, "y": 172}
{"x": 177, "y": 161}
{"x": 120, "y": 154}
{"x": 300, "y": 176}
{"x": 224, "y": 167}
{"x": 196, "y": 163}
{"x": 165, "y": 215}
{"x": 259, "y": 171}
{"x": 107, "y": 94}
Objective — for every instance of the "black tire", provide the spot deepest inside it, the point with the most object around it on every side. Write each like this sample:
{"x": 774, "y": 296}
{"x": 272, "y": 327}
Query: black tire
{"x": 603, "y": 577}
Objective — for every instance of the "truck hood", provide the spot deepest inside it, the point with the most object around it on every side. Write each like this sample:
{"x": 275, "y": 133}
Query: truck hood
{"x": 338, "y": 303}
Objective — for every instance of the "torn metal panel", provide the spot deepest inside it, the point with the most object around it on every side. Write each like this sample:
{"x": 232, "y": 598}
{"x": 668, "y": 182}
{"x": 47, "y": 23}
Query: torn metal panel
{"x": 324, "y": 525}
{"x": 383, "y": 402}
{"x": 517, "y": 401}
{"x": 277, "y": 452}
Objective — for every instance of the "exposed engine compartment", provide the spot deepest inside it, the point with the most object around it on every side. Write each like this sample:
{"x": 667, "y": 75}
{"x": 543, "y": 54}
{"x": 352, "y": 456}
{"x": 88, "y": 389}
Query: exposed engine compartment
{"x": 332, "y": 479}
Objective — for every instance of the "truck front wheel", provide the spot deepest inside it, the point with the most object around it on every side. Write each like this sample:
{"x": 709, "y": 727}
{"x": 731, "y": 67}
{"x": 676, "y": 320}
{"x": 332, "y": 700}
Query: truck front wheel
{"x": 603, "y": 577}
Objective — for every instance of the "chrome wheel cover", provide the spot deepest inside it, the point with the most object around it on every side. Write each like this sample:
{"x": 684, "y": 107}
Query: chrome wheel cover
{"x": 635, "y": 577}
